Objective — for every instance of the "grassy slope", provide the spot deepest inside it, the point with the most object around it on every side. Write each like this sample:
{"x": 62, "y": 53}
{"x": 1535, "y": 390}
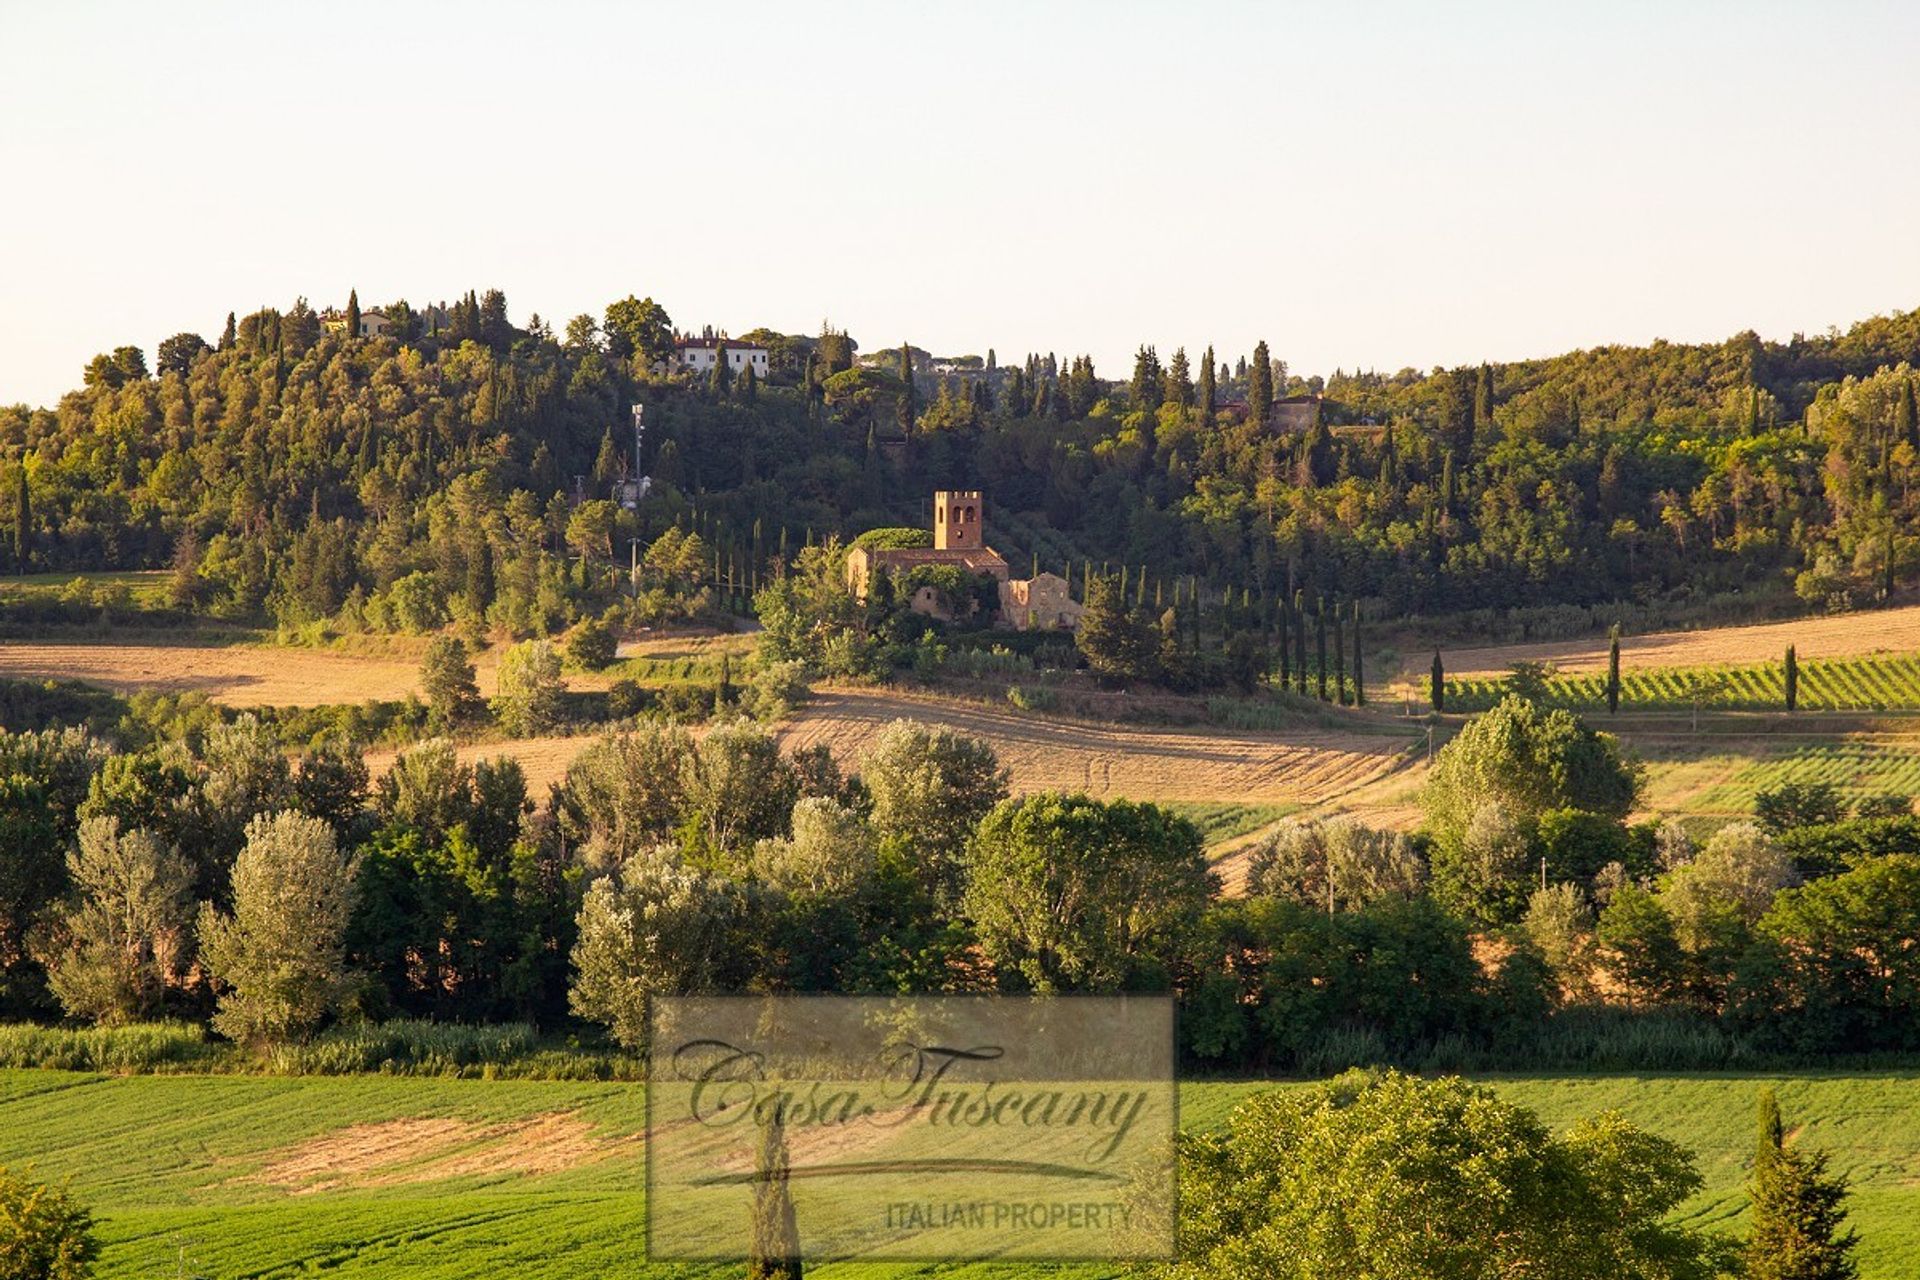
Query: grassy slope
{"x": 166, "y": 1163}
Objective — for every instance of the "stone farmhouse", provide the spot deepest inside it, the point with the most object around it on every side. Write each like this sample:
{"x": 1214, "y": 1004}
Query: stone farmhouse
{"x": 959, "y": 538}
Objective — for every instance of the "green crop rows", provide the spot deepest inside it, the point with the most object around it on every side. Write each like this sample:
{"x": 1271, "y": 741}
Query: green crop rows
{"x": 1884, "y": 682}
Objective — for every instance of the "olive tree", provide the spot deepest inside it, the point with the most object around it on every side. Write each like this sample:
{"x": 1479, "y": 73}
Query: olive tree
{"x": 128, "y": 933}
{"x": 278, "y": 956}
{"x": 1334, "y": 863}
{"x": 654, "y": 927}
{"x": 930, "y": 789}
{"x": 528, "y": 694}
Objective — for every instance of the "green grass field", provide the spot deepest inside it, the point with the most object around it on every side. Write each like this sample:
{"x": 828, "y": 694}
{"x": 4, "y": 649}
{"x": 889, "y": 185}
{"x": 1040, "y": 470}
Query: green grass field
{"x": 208, "y": 1175}
{"x": 1221, "y": 821}
{"x": 1881, "y": 682}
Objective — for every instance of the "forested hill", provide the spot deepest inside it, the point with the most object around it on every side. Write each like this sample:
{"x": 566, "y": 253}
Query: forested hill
{"x": 291, "y": 471}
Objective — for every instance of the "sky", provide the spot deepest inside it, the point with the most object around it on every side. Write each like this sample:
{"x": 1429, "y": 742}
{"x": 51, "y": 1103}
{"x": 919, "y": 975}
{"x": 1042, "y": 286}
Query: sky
{"x": 1361, "y": 185}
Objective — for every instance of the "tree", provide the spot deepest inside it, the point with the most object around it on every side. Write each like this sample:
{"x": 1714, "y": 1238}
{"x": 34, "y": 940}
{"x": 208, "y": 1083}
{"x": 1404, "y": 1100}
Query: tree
{"x": 1792, "y": 679}
{"x": 279, "y": 957}
{"x": 1320, "y": 649}
{"x": 909, "y": 401}
{"x": 1334, "y": 864}
{"x": 1529, "y": 761}
{"x": 1391, "y": 1176}
{"x": 177, "y": 354}
{"x": 930, "y": 788}
{"x": 127, "y": 936}
{"x": 44, "y": 1234}
{"x": 1613, "y": 671}
{"x": 1797, "y": 1209}
{"x": 1833, "y": 966}
{"x": 448, "y": 679}
{"x": 1117, "y": 643}
{"x": 639, "y": 328}
{"x": 1359, "y": 674}
{"x": 1208, "y": 396}
{"x": 1637, "y": 938}
{"x": 829, "y": 855}
{"x": 592, "y": 645}
{"x": 529, "y": 689}
{"x": 1260, "y": 386}
{"x": 1793, "y": 805}
{"x": 1437, "y": 685}
{"x": 652, "y": 928}
{"x": 353, "y": 315}
{"x": 22, "y": 521}
{"x": 735, "y": 789}
{"x": 1069, "y": 894}
{"x": 773, "y": 1237}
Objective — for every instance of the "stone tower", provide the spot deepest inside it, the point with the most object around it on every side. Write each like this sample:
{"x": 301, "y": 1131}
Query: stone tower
{"x": 958, "y": 520}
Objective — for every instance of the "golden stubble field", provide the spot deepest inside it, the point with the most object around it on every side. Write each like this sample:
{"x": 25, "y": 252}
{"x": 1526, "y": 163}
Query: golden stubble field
{"x": 1306, "y": 767}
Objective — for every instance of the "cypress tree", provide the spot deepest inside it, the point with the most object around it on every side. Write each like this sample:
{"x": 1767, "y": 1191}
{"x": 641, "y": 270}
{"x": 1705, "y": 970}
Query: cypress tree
{"x": 1320, "y": 647}
{"x": 1906, "y": 419}
{"x": 22, "y": 521}
{"x": 1208, "y": 396}
{"x": 1300, "y": 641}
{"x": 1792, "y": 679}
{"x": 1886, "y": 587}
{"x": 1613, "y": 671}
{"x": 1286, "y": 663}
{"x": 1339, "y": 658}
{"x": 773, "y": 1238}
{"x": 353, "y": 313}
{"x": 1798, "y": 1208}
{"x": 227, "y": 335}
{"x": 909, "y": 403}
{"x": 1437, "y": 684}
{"x": 1260, "y": 385}
{"x": 1483, "y": 397}
{"x": 1359, "y": 677}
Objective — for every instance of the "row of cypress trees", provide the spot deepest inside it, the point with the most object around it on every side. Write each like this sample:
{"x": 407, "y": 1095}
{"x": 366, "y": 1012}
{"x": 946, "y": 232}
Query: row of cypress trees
{"x": 1437, "y": 680}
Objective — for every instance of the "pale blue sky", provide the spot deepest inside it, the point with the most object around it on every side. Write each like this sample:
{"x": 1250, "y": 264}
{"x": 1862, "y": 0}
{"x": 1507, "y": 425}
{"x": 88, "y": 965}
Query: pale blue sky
{"x": 1374, "y": 185}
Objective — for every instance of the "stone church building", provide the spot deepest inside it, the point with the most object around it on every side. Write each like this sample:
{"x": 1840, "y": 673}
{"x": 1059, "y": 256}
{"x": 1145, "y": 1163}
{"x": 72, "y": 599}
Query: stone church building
{"x": 959, "y": 538}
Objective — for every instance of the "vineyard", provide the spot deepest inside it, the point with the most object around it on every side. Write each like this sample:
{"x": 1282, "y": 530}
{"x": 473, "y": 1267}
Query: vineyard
{"x": 1878, "y": 682}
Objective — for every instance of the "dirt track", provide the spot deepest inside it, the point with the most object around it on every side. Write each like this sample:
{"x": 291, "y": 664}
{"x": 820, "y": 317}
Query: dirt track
{"x": 1838, "y": 636}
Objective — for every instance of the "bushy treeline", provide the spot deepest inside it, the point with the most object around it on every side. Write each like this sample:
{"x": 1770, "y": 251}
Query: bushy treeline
{"x": 217, "y": 879}
{"x": 467, "y": 470}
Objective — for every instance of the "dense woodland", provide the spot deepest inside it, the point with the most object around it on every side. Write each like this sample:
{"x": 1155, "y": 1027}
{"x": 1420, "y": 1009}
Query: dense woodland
{"x": 293, "y": 472}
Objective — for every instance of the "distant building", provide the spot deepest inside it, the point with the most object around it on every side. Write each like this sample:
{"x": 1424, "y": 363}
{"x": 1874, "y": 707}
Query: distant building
{"x": 1297, "y": 415}
{"x": 427, "y": 321}
{"x": 1044, "y": 603}
{"x": 959, "y": 539}
{"x": 373, "y": 322}
{"x": 698, "y": 355}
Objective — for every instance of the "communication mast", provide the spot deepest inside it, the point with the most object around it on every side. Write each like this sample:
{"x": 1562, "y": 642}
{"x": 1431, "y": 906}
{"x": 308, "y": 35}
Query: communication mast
{"x": 633, "y": 491}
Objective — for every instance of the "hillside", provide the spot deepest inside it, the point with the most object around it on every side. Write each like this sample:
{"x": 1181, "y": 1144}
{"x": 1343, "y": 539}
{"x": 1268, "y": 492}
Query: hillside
{"x": 292, "y": 474}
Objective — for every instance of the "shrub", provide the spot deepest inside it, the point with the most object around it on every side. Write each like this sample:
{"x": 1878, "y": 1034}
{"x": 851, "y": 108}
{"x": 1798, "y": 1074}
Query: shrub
{"x": 44, "y": 1235}
{"x": 528, "y": 700}
{"x": 592, "y": 645}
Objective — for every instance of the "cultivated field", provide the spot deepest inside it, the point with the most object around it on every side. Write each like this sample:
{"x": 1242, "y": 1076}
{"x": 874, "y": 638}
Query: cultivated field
{"x": 1843, "y": 635}
{"x": 435, "y": 1179}
{"x": 381, "y": 669}
{"x": 1304, "y": 767}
